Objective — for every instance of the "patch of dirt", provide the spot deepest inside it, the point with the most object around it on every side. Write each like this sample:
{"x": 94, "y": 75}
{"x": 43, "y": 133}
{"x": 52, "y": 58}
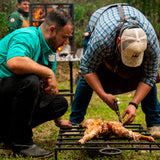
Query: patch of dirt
{"x": 63, "y": 71}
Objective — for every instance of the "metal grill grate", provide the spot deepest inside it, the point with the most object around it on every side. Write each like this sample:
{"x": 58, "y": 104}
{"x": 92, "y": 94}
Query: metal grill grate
{"x": 38, "y": 12}
{"x": 68, "y": 140}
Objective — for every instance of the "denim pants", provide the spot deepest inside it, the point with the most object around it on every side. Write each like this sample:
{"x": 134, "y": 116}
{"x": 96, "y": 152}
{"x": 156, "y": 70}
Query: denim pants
{"x": 150, "y": 104}
{"x": 23, "y": 105}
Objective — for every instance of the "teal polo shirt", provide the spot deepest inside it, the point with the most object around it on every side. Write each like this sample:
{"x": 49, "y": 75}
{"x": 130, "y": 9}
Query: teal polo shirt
{"x": 24, "y": 42}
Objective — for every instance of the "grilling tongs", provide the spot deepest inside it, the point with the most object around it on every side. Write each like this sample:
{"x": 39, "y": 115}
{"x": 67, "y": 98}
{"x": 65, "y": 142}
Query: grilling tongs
{"x": 117, "y": 111}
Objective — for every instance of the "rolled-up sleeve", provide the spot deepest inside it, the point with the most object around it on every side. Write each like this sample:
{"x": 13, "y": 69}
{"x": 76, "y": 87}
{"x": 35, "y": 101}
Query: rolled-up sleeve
{"x": 151, "y": 60}
{"x": 93, "y": 56}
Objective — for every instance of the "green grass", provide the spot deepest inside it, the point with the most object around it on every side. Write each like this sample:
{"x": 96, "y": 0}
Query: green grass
{"x": 46, "y": 134}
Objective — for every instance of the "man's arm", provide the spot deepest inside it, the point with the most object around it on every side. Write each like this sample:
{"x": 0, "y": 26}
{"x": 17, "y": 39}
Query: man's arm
{"x": 94, "y": 82}
{"x": 141, "y": 92}
{"x": 14, "y": 22}
{"x": 25, "y": 65}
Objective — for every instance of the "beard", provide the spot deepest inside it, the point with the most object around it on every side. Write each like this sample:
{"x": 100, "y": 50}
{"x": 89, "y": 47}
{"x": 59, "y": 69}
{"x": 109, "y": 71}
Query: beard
{"x": 52, "y": 44}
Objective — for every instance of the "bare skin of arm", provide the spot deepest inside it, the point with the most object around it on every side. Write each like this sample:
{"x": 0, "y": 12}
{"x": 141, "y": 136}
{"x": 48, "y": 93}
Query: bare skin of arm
{"x": 94, "y": 82}
{"x": 25, "y": 65}
{"x": 141, "y": 92}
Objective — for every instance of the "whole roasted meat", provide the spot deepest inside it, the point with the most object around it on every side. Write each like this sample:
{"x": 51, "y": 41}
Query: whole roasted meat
{"x": 97, "y": 128}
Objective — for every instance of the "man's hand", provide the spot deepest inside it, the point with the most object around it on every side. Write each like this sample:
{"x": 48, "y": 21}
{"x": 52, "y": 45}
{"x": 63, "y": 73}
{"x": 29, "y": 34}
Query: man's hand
{"x": 131, "y": 111}
{"x": 25, "y": 65}
{"x": 51, "y": 86}
{"x": 86, "y": 34}
{"x": 109, "y": 100}
{"x": 65, "y": 123}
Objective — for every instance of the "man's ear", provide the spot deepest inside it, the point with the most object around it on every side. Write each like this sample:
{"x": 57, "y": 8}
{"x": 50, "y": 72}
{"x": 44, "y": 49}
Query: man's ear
{"x": 52, "y": 28}
{"x": 119, "y": 44}
{"x": 18, "y": 5}
{"x": 118, "y": 40}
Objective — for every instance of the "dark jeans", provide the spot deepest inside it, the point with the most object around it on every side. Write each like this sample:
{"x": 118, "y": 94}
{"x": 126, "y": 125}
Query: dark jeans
{"x": 83, "y": 94}
{"x": 23, "y": 106}
{"x": 113, "y": 84}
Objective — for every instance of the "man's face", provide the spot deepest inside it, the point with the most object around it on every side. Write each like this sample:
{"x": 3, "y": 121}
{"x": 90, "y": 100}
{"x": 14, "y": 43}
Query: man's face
{"x": 24, "y": 6}
{"x": 60, "y": 38}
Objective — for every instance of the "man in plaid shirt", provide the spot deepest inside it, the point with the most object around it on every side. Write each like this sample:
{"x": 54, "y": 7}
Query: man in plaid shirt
{"x": 121, "y": 54}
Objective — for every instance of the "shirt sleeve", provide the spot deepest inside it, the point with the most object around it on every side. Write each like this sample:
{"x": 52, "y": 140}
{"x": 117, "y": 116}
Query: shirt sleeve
{"x": 99, "y": 46}
{"x": 22, "y": 45}
{"x": 151, "y": 60}
{"x": 101, "y": 42}
{"x": 14, "y": 22}
{"x": 93, "y": 56}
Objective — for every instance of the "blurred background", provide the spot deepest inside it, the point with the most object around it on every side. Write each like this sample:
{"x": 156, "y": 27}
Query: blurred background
{"x": 82, "y": 12}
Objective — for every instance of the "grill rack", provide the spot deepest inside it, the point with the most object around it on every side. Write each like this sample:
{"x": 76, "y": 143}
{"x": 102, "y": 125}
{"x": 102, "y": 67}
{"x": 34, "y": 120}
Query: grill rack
{"x": 68, "y": 140}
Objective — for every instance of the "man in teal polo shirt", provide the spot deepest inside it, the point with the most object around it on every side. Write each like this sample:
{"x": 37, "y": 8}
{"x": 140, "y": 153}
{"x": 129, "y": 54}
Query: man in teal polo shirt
{"x": 19, "y": 18}
{"x": 26, "y": 56}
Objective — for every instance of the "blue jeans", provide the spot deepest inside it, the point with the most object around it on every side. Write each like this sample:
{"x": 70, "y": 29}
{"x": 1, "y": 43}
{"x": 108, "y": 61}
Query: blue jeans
{"x": 151, "y": 108}
{"x": 81, "y": 100}
{"x": 83, "y": 94}
{"x": 150, "y": 104}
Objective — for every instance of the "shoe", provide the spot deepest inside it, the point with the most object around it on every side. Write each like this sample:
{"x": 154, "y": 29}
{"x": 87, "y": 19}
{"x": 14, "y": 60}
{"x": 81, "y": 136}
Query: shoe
{"x": 154, "y": 131}
{"x": 30, "y": 150}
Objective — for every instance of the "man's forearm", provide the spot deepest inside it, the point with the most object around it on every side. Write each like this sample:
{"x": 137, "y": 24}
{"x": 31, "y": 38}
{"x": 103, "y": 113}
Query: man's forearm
{"x": 25, "y": 65}
{"x": 141, "y": 92}
{"x": 94, "y": 82}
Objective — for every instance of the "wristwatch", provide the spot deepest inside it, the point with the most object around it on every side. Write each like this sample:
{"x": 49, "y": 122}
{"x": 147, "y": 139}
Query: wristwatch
{"x": 134, "y": 104}
{"x": 58, "y": 123}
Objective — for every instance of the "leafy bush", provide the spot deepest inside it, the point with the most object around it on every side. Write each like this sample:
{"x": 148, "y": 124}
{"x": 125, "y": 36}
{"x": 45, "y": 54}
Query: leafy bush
{"x": 81, "y": 22}
{"x": 3, "y": 24}
{"x": 82, "y": 12}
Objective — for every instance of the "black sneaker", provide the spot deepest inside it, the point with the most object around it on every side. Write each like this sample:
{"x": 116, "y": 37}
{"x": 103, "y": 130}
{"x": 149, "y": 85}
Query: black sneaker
{"x": 31, "y": 150}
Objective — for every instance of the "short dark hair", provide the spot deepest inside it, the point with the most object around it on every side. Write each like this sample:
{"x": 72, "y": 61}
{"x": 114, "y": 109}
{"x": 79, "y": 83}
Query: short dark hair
{"x": 20, "y": 1}
{"x": 59, "y": 17}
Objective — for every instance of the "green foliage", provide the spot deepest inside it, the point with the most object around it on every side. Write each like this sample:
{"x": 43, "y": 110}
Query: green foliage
{"x": 45, "y": 135}
{"x": 82, "y": 12}
{"x": 81, "y": 18}
{"x": 3, "y": 24}
{"x": 84, "y": 9}
{"x": 150, "y": 8}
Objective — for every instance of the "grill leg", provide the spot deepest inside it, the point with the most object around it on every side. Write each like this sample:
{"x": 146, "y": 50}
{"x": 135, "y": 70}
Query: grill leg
{"x": 55, "y": 154}
{"x": 71, "y": 80}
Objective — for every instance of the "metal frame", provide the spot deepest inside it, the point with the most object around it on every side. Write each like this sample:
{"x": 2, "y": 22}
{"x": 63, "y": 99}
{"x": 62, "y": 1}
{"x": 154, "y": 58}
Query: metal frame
{"x": 68, "y": 140}
{"x": 70, "y": 8}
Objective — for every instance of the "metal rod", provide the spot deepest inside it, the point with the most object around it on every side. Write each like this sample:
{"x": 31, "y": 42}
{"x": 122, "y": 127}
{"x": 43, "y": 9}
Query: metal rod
{"x": 70, "y": 142}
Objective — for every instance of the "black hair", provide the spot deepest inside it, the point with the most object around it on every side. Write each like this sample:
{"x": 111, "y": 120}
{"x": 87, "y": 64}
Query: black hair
{"x": 20, "y": 1}
{"x": 58, "y": 17}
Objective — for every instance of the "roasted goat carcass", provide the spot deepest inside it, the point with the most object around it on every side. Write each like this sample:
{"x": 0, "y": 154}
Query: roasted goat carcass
{"x": 94, "y": 128}
{"x": 97, "y": 128}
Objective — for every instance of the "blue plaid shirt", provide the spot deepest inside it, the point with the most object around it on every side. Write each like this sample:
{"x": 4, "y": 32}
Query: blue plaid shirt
{"x": 101, "y": 43}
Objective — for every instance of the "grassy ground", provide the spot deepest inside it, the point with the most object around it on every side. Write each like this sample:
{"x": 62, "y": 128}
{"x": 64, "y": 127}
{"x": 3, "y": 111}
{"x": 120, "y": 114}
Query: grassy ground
{"x": 46, "y": 134}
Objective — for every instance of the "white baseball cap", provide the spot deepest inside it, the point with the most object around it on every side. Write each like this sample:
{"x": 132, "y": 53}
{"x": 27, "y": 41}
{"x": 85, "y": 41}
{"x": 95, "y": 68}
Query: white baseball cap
{"x": 133, "y": 45}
